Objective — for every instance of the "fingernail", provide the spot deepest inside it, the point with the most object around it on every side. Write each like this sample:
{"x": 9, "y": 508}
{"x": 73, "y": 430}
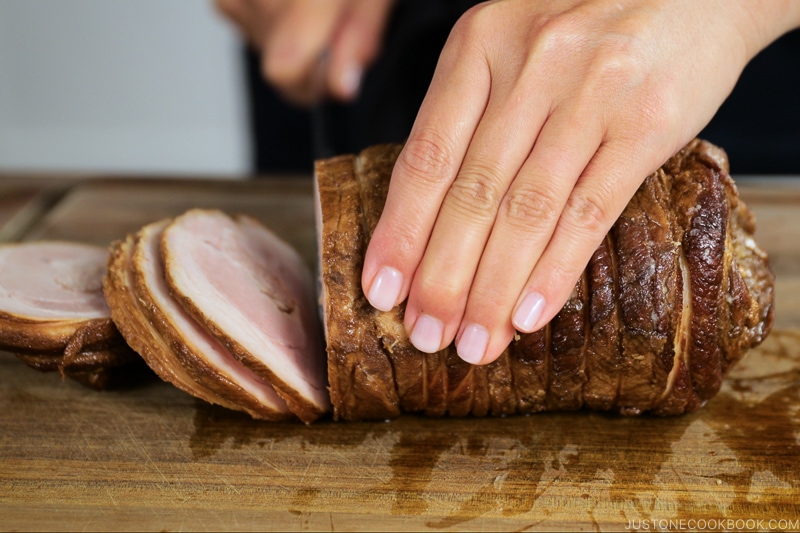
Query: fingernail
{"x": 427, "y": 334}
{"x": 472, "y": 345}
{"x": 529, "y": 312}
{"x": 385, "y": 289}
{"x": 350, "y": 81}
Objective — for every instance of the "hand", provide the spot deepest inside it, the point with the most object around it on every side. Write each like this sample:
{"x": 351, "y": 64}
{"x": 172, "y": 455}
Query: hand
{"x": 293, "y": 36}
{"x": 542, "y": 120}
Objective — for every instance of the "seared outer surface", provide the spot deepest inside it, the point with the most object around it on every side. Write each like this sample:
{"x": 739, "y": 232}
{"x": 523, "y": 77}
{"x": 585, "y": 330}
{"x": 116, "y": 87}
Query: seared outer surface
{"x": 361, "y": 377}
{"x": 671, "y": 299}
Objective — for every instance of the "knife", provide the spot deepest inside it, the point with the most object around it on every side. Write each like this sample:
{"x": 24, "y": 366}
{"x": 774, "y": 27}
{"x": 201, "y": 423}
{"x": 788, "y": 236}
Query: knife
{"x": 321, "y": 147}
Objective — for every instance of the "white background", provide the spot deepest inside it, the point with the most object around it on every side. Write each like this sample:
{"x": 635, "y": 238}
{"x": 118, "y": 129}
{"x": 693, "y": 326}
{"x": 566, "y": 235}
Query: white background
{"x": 126, "y": 86}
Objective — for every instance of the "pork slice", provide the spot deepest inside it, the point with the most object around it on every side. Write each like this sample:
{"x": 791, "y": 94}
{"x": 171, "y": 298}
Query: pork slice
{"x": 530, "y": 367}
{"x": 481, "y": 397}
{"x": 27, "y": 334}
{"x": 704, "y": 217}
{"x": 436, "y": 381}
{"x": 255, "y": 295}
{"x": 417, "y": 378}
{"x": 53, "y": 313}
{"x": 205, "y": 360}
{"x": 52, "y": 281}
{"x": 361, "y": 376}
{"x": 730, "y": 282}
{"x": 409, "y": 367}
{"x": 568, "y": 339}
{"x": 679, "y": 396}
{"x": 603, "y": 354}
{"x": 460, "y": 385}
{"x": 647, "y": 260}
{"x": 141, "y": 334}
{"x": 501, "y": 386}
{"x": 49, "y": 291}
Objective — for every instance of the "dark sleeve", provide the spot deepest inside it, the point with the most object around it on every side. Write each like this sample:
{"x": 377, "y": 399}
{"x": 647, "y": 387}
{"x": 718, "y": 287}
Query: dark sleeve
{"x": 759, "y": 124}
{"x": 392, "y": 91}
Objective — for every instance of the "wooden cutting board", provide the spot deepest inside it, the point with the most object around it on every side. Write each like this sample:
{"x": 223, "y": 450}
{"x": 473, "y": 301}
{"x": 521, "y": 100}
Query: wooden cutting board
{"x": 149, "y": 457}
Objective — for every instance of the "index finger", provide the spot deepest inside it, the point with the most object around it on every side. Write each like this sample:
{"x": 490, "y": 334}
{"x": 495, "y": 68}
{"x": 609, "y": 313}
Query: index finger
{"x": 423, "y": 173}
{"x": 301, "y": 32}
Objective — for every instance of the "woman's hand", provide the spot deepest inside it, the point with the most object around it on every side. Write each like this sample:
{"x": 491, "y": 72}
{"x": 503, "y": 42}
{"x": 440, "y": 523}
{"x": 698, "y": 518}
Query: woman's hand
{"x": 294, "y": 35}
{"x": 542, "y": 120}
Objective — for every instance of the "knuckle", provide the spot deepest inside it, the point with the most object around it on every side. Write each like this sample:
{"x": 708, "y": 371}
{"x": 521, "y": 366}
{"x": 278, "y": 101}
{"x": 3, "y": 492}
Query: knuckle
{"x": 427, "y": 158}
{"x": 616, "y": 69}
{"x": 560, "y": 34}
{"x": 590, "y": 212}
{"x": 475, "y": 193}
{"x": 474, "y": 23}
{"x": 275, "y": 72}
{"x": 526, "y": 207}
{"x": 660, "y": 113}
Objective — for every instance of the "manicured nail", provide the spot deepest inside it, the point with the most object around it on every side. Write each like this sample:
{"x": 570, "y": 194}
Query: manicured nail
{"x": 529, "y": 312}
{"x": 427, "y": 334}
{"x": 350, "y": 81}
{"x": 385, "y": 289}
{"x": 472, "y": 345}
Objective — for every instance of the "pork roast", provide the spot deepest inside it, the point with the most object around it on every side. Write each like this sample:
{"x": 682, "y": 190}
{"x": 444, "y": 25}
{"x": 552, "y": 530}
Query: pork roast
{"x": 53, "y": 314}
{"x": 676, "y": 294}
{"x": 224, "y": 310}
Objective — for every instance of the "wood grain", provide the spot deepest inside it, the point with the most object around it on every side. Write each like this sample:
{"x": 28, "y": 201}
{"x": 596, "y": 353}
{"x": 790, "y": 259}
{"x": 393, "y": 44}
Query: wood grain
{"x": 149, "y": 457}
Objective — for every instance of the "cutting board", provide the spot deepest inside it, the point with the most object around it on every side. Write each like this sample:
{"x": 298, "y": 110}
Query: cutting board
{"x": 149, "y": 457}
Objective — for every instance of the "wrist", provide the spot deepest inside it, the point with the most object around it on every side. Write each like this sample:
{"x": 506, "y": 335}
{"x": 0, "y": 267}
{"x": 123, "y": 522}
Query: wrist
{"x": 762, "y": 21}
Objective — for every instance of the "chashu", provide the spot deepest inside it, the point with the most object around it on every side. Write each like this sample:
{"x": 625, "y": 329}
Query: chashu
{"x": 53, "y": 314}
{"x": 672, "y": 298}
{"x": 254, "y": 294}
{"x": 176, "y": 347}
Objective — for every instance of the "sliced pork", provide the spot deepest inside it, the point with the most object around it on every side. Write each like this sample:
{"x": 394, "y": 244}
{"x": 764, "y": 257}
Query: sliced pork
{"x": 672, "y": 298}
{"x": 223, "y": 309}
{"x": 253, "y": 293}
{"x": 53, "y": 314}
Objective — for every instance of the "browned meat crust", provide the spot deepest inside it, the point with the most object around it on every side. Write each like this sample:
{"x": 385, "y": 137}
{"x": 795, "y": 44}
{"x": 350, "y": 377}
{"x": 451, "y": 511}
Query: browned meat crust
{"x": 672, "y": 298}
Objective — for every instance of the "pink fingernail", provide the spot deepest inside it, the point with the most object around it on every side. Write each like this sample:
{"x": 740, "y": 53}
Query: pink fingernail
{"x": 427, "y": 334}
{"x": 529, "y": 312}
{"x": 473, "y": 343}
{"x": 385, "y": 289}
{"x": 350, "y": 81}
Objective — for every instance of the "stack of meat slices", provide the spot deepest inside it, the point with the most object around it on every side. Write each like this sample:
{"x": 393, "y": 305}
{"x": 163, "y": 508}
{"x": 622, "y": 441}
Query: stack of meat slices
{"x": 672, "y": 298}
{"x": 224, "y": 310}
{"x": 53, "y": 314}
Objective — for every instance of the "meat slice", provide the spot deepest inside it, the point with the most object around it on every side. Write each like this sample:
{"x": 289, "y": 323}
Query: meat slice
{"x": 568, "y": 336}
{"x": 198, "y": 363}
{"x": 53, "y": 314}
{"x": 360, "y": 372}
{"x": 253, "y": 293}
{"x": 673, "y": 297}
{"x": 604, "y": 354}
{"x": 647, "y": 260}
{"x": 127, "y": 311}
